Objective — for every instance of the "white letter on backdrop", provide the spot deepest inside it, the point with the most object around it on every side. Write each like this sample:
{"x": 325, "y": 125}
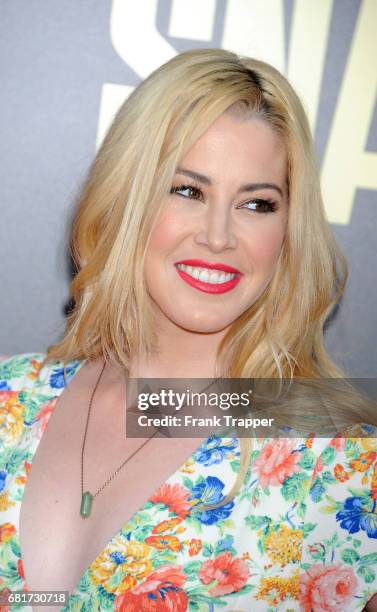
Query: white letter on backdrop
{"x": 256, "y": 29}
{"x": 347, "y": 165}
{"x": 307, "y": 52}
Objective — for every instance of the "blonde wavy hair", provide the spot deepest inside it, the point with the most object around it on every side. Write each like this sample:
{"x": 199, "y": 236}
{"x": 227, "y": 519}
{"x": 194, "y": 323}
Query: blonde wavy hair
{"x": 281, "y": 334}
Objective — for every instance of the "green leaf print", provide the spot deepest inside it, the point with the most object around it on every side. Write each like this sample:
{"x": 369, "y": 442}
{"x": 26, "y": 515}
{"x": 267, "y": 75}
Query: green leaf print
{"x": 332, "y": 506}
{"x": 366, "y": 573}
{"x": 359, "y": 492}
{"x": 17, "y": 459}
{"x": 193, "y": 567}
{"x": 105, "y": 599}
{"x": 187, "y": 482}
{"x": 295, "y": 487}
{"x": 301, "y": 510}
{"x": 308, "y": 527}
{"x": 308, "y": 459}
{"x": 256, "y": 522}
{"x": 328, "y": 478}
{"x": 349, "y": 555}
{"x": 328, "y": 455}
{"x": 195, "y": 523}
{"x": 163, "y": 557}
{"x": 370, "y": 559}
{"x": 15, "y": 547}
{"x": 142, "y": 532}
{"x": 31, "y": 410}
{"x": 235, "y": 465}
{"x": 207, "y": 550}
{"x": 16, "y": 366}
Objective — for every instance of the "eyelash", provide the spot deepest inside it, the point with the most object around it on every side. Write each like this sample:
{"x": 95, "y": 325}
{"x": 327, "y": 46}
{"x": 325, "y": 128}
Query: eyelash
{"x": 199, "y": 195}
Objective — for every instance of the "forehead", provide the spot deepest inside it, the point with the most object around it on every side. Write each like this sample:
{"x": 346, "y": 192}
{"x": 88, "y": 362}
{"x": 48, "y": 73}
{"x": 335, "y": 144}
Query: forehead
{"x": 244, "y": 148}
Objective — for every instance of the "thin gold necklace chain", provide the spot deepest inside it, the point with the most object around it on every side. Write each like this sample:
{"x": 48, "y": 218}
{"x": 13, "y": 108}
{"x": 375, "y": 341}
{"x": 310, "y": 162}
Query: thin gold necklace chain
{"x": 128, "y": 458}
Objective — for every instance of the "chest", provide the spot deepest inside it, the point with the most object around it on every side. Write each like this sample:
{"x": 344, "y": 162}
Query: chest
{"x": 57, "y": 544}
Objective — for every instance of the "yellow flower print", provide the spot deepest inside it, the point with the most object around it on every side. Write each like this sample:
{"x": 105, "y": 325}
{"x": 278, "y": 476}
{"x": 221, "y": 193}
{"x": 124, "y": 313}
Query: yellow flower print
{"x": 12, "y": 419}
{"x": 284, "y": 545}
{"x": 164, "y": 541}
{"x": 166, "y": 525}
{"x": 187, "y": 466}
{"x": 277, "y": 589}
{"x": 5, "y": 502}
{"x": 119, "y": 567}
{"x": 369, "y": 444}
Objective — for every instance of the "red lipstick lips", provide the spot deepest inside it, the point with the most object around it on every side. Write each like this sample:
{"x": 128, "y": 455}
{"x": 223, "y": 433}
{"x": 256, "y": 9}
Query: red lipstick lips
{"x": 200, "y": 263}
{"x": 209, "y": 287}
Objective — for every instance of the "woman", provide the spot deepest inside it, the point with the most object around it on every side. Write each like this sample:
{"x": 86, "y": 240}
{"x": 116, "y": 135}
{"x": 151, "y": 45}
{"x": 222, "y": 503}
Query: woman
{"x": 208, "y": 166}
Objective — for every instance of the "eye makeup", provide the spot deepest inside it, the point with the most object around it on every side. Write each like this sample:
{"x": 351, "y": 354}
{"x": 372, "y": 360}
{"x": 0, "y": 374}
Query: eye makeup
{"x": 194, "y": 192}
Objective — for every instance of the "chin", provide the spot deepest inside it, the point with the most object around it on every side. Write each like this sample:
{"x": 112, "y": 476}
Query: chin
{"x": 202, "y": 325}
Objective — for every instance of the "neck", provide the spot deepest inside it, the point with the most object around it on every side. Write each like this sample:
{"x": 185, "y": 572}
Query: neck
{"x": 183, "y": 354}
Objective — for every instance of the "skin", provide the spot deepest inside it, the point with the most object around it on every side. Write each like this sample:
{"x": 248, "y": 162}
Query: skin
{"x": 223, "y": 225}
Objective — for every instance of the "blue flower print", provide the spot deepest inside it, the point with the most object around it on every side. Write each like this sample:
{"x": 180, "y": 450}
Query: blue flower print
{"x": 4, "y": 386}
{"x": 57, "y": 377}
{"x": 118, "y": 558}
{"x": 317, "y": 490}
{"x": 225, "y": 544}
{"x": 215, "y": 449}
{"x": 359, "y": 513}
{"x": 209, "y": 491}
{"x": 3, "y": 477}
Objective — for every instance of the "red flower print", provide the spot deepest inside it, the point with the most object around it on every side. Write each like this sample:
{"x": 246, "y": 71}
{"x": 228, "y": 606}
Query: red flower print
{"x": 195, "y": 547}
{"x": 363, "y": 462}
{"x": 339, "y": 443}
{"x": 7, "y": 530}
{"x": 160, "y": 592}
{"x": 327, "y": 588}
{"x": 231, "y": 574}
{"x": 318, "y": 467}
{"x": 340, "y": 473}
{"x": 37, "y": 365}
{"x": 20, "y": 568}
{"x": 44, "y": 416}
{"x": 276, "y": 462}
{"x": 5, "y": 396}
{"x": 175, "y": 497}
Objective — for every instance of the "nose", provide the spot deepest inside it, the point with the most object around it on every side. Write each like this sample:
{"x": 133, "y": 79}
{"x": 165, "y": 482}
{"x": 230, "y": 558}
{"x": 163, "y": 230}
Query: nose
{"x": 216, "y": 231}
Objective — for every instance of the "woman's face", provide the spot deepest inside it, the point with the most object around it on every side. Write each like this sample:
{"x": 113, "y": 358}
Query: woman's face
{"x": 228, "y": 208}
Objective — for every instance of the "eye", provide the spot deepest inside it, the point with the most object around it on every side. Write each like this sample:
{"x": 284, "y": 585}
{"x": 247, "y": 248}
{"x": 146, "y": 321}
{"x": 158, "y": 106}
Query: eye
{"x": 188, "y": 191}
{"x": 265, "y": 206}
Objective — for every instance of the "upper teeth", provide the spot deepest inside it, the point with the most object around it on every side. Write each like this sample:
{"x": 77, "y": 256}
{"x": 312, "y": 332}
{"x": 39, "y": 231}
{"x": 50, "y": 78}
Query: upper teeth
{"x": 206, "y": 275}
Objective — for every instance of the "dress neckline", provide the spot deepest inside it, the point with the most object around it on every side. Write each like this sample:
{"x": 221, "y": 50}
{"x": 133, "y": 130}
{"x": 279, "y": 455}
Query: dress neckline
{"x": 54, "y": 395}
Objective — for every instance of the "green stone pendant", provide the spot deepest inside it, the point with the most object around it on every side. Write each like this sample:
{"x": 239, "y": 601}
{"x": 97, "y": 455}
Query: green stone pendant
{"x": 86, "y": 504}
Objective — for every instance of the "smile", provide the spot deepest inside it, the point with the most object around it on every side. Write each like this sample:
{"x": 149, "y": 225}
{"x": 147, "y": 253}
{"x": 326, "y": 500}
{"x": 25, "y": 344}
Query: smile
{"x": 207, "y": 280}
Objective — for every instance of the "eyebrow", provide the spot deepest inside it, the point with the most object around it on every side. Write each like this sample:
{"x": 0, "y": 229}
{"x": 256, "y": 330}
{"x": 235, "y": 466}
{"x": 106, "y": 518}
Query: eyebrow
{"x": 201, "y": 178}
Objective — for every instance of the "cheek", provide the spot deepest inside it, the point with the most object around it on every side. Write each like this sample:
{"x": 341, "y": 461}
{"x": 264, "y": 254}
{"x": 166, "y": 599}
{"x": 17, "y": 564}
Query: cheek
{"x": 166, "y": 233}
{"x": 264, "y": 244}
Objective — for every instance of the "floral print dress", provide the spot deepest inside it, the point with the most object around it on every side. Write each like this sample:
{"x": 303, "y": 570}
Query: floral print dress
{"x": 301, "y": 534}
